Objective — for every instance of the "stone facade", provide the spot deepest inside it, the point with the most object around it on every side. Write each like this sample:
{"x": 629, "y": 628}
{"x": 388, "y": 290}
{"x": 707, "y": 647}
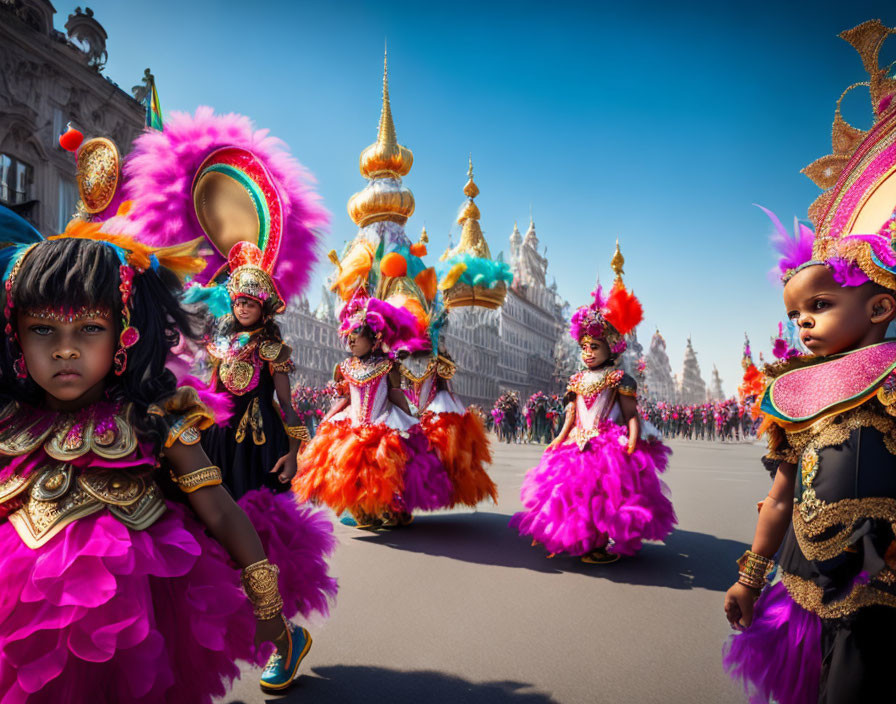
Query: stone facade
{"x": 47, "y": 79}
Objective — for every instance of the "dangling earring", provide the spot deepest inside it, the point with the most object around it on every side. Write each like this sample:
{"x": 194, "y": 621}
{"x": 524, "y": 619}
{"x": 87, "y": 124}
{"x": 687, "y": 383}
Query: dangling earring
{"x": 120, "y": 361}
{"x": 19, "y": 366}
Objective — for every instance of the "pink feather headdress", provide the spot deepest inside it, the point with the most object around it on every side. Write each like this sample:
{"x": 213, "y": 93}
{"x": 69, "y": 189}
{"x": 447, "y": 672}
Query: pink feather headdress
{"x": 163, "y": 171}
{"x": 608, "y": 318}
{"x": 795, "y": 254}
{"x": 396, "y": 329}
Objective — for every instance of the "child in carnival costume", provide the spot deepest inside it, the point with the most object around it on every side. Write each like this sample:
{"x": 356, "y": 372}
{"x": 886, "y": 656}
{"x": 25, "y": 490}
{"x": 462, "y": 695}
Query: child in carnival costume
{"x": 822, "y": 631}
{"x": 217, "y": 178}
{"x": 113, "y": 591}
{"x": 370, "y": 455}
{"x": 456, "y": 434}
{"x": 596, "y": 492}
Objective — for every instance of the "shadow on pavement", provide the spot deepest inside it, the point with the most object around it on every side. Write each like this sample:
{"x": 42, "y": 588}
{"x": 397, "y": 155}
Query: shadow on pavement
{"x": 686, "y": 559}
{"x": 347, "y": 683}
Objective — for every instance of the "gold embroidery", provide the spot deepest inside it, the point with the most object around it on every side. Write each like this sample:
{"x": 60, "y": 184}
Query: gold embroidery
{"x": 269, "y": 350}
{"x": 190, "y": 416}
{"x": 411, "y": 376}
{"x": 68, "y": 437}
{"x": 609, "y": 379}
{"x": 197, "y": 479}
{"x": 446, "y": 368}
{"x": 809, "y": 505}
{"x": 815, "y": 538}
{"x": 53, "y": 497}
{"x": 828, "y": 432}
{"x": 808, "y": 595}
{"x": 251, "y": 420}
{"x": 359, "y": 373}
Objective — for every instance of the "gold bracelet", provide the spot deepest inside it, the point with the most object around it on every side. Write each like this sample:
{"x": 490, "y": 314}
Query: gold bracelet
{"x": 300, "y": 432}
{"x": 260, "y": 584}
{"x": 193, "y": 481}
{"x": 754, "y": 569}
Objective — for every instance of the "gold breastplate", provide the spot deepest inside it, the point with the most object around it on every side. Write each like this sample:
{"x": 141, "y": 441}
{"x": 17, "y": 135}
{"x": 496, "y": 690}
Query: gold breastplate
{"x": 50, "y": 498}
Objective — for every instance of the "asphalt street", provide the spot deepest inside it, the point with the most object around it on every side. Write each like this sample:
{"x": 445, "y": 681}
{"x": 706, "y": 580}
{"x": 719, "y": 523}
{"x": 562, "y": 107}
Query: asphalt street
{"x": 458, "y": 608}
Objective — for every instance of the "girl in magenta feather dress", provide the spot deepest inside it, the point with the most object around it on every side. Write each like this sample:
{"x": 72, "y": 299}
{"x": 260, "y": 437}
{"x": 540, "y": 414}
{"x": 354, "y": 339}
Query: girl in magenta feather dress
{"x": 596, "y": 493}
{"x": 122, "y": 556}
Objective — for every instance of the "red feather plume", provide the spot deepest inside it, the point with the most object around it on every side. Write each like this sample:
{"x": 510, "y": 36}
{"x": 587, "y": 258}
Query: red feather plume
{"x": 623, "y": 309}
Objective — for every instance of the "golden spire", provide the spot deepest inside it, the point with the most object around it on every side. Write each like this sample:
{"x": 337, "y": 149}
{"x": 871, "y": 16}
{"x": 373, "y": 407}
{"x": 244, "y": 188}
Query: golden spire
{"x": 384, "y": 162}
{"x": 617, "y": 262}
{"x": 471, "y": 238}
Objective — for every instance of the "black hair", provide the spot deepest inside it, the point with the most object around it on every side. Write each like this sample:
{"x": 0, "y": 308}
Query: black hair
{"x": 74, "y": 272}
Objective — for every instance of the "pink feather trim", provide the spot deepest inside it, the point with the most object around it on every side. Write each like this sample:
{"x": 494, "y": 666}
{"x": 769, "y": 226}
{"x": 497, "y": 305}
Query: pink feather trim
{"x": 159, "y": 177}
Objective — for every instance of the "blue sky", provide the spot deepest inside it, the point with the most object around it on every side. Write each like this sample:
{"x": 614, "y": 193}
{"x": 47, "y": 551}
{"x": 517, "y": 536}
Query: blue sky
{"x": 660, "y": 123}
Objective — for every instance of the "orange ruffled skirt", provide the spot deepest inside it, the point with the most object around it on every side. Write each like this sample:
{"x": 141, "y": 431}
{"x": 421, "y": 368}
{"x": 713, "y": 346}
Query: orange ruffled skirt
{"x": 462, "y": 446}
{"x": 356, "y": 468}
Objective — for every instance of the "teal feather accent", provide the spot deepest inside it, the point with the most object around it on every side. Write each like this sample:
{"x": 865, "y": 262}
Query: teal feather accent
{"x": 215, "y": 298}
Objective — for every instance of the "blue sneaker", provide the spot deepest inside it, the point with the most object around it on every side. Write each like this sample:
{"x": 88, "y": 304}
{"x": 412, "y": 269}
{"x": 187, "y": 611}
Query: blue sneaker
{"x": 280, "y": 673}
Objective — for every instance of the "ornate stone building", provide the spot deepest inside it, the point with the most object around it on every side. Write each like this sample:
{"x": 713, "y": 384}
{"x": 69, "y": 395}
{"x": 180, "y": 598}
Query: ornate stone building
{"x": 47, "y": 79}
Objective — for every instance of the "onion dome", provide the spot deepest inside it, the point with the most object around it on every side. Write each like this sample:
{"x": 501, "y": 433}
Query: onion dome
{"x": 383, "y": 163}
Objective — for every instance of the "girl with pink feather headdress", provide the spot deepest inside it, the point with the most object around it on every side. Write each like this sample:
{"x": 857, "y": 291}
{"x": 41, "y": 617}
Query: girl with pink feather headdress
{"x": 821, "y": 630}
{"x": 596, "y": 491}
{"x": 217, "y": 178}
{"x": 370, "y": 456}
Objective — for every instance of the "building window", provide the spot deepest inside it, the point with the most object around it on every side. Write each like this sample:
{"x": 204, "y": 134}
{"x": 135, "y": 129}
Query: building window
{"x": 16, "y": 180}
{"x": 68, "y": 203}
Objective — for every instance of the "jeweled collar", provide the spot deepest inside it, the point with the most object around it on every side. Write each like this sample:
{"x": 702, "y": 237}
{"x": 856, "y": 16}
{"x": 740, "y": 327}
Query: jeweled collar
{"x": 102, "y": 428}
{"x": 803, "y": 396}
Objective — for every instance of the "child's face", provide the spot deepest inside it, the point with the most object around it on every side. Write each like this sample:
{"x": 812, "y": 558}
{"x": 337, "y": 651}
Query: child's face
{"x": 68, "y": 356}
{"x": 832, "y": 318}
{"x": 247, "y": 311}
{"x": 594, "y": 352}
{"x": 359, "y": 345}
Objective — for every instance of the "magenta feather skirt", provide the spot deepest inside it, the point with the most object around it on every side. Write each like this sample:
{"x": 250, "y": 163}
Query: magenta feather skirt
{"x": 575, "y": 500}
{"x": 779, "y": 656}
{"x": 298, "y": 539}
{"x": 427, "y": 485}
{"x": 104, "y": 614}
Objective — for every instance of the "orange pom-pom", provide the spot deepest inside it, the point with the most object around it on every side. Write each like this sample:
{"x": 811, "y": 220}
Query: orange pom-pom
{"x": 428, "y": 283}
{"x": 394, "y": 265}
{"x": 418, "y": 249}
{"x": 624, "y": 310}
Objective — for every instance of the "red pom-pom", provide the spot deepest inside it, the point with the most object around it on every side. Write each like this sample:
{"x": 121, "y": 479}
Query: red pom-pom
{"x": 624, "y": 311}
{"x": 71, "y": 139}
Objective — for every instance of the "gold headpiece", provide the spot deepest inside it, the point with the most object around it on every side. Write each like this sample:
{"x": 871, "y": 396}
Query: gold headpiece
{"x": 844, "y": 172}
{"x": 472, "y": 246}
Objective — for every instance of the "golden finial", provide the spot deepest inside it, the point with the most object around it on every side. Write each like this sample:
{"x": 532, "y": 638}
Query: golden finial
{"x": 384, "y": 161}
{"x": 423, "y": 236}
{"x": 471, "y": 190}
{"x": 471, "y": 238}
{"x": 617, "y": 262}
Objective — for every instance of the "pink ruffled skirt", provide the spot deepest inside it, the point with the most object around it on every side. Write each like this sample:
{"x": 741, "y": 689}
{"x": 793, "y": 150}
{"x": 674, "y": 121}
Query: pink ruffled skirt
{"x": 105, "y": 614}
{"x": 575, "y": 500}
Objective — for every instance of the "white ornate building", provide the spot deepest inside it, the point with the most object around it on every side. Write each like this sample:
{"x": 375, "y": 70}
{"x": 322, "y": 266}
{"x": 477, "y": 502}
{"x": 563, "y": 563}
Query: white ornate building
{"x": 47, "y": 79}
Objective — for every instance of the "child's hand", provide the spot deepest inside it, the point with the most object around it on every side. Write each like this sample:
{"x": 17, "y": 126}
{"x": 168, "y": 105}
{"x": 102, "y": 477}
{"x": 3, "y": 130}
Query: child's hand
{"x": 552, "y": 444}
{"x": 286, "y": 468}
{"x": 739, "y": 602}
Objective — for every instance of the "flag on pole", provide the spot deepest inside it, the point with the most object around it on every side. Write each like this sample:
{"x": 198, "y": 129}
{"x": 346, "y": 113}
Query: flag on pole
{"x": 153, "y": 107}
